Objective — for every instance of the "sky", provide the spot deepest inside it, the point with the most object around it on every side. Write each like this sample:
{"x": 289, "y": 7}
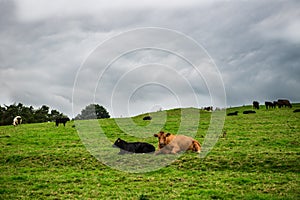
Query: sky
{"x": 134, "y": 57}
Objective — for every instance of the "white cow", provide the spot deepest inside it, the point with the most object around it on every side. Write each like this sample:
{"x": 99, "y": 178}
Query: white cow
{"x": 17, "y": 121}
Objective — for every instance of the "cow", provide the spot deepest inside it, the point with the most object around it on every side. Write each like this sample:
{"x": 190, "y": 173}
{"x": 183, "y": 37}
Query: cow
{"x": 255, "y": 105}
{"x": 249, "y": 111}
{"x": 209, "y": 108}
{"x": 133, "y": 147}
{"x": 173, "y": 144}
{"x": 269, "y": 104}
{"x": 284, "y": 102}
{"x": 297, "y": 110}
{"x": 62, "y": 121}
{"x": 17, "y": 120}
{"x": 233, "y": 113}
{"x": 147, "y": 118}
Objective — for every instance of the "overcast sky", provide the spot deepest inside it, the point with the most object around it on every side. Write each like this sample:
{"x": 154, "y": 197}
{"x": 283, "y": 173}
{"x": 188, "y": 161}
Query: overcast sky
{"x": 46, "y": 46}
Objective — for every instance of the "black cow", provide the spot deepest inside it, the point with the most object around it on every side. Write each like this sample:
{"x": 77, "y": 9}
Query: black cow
{"x": 147, "y": 118}
{"x": 283, "y": 102}
{"x": 269, "y": 104}
{"x": 249, "y": 111}
{"x": 133, "y": 147}
{"x": 233, "y": 113}
{"x": 62, "y": 121}
{"x": 209, "y": 108}
{"x": 297, "y": 110}
{"x": 255, "y": 104}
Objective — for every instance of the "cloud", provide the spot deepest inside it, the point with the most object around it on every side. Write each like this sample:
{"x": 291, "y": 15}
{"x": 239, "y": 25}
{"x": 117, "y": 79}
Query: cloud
{"x": 254, "y": 44}
{"x": 45, "y": 9}
{"x": 282, "y": 25}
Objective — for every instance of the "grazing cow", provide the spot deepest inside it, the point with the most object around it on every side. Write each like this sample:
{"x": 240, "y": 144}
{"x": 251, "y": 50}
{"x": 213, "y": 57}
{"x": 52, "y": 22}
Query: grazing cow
{"x": 209, "y": 108}
{"x": 62, "y": 121}
{"x": 269, "y": 104}
{"x": 297, "y": 110}
{"x": 256, "y": 105}
{"x": 17, "y": 120}
{"x": 133, "y": 147}
{"x": 283, "y": 102}
{"x": 249, "y": 111}
{"x": 172, "y": 144}
{"x": 147, "y": 118}
{"x": 233, "y": 113}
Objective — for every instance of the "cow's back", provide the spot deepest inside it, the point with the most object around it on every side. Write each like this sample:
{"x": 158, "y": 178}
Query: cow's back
{"x": 284, "y": 102}
{"x": 184, "y": 142}
{"x": 170, "y": 138}
{"x": 143, "y": 147}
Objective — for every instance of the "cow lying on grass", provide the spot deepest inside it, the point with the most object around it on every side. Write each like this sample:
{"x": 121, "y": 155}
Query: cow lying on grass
{"x": 233, "y": 113}
{"x": 133, "y": 147}
{"x": 172, "y": 144}
{"x": 249, "y": 112}
{"x": 147, "y": 118}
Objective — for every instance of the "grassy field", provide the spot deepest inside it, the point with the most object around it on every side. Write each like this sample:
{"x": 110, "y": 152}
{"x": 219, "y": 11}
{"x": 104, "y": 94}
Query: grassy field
{"x": 257, "y": 159}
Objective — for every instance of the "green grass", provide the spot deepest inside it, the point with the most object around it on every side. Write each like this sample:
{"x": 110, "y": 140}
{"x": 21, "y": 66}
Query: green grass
{"x": 258, "y": 159}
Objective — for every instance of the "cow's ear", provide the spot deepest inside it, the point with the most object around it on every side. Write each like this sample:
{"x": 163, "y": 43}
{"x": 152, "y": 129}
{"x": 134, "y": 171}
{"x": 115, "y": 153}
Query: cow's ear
{"x": 155, "y": 135}
{"x": 168, "y": 134}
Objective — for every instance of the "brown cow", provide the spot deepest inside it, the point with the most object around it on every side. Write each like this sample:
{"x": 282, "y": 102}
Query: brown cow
{"x": 283, "y": 102}
{"x": 172, "y": 144}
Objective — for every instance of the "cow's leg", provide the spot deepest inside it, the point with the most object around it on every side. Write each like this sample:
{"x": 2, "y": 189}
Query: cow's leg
{"x": 164, "y": 150}
{"x": 175, "y": 150}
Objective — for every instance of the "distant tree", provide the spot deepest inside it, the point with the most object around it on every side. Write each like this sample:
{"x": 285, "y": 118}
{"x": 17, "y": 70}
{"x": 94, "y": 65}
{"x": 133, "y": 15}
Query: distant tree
{"x": 54, "y": 114}
{"x": 41, "y": 114}
{"x": 2, "y": 114}
{"x": 93, "y": 111}
{"x": 10, "y": 112}
{"x": 101, "y": 112}
{"x": 28, "y": 114}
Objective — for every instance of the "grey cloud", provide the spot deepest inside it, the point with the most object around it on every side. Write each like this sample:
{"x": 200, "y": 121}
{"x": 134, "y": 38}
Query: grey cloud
{"x": 254, "y": 44}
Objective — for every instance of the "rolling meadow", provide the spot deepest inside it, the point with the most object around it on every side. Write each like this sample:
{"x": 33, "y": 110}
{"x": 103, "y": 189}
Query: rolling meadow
{"x": 256, "y": 157}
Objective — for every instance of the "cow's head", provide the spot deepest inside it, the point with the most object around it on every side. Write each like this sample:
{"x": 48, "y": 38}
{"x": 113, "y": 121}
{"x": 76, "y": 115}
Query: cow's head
{"x": 162, "y": 139}
{"x": 118, "y": 143}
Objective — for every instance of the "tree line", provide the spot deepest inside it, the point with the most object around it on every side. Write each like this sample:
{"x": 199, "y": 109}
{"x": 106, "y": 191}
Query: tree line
{"x": 28, "y": 114}
{"x": 44, "y": 114}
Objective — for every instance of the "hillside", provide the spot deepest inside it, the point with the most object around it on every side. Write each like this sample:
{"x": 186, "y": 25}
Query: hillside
{"x": 258, "y": 158}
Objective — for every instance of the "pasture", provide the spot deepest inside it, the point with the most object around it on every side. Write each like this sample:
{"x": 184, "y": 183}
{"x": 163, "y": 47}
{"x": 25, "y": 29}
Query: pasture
{"x": 258, "y": 158}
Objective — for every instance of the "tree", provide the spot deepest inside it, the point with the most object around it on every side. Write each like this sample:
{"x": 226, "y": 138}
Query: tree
{"x": 28, "y": 114}
{"x": 93, "y": 111}
{"x": 54, "y": 114}
{"x": 41, "y": 114}
{"x": 2, "y": 115}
